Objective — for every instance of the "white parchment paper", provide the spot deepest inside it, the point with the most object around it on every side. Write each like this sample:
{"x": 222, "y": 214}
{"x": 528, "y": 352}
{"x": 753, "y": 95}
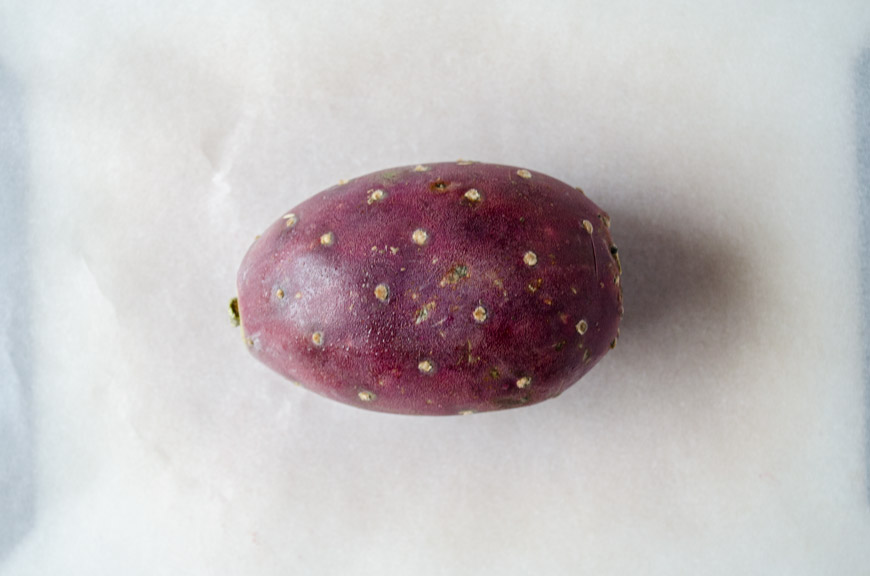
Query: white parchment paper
{"x": 144, "y": 145}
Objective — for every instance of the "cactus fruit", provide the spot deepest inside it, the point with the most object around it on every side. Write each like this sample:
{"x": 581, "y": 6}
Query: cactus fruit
{"x": 448, "y": 288}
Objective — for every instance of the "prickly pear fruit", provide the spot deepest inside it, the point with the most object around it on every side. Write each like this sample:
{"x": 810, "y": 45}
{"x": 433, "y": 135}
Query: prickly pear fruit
{"x": 447, "y": 288}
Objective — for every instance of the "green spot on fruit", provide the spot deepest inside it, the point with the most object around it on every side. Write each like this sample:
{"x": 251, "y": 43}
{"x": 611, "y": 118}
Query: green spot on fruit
{"x": 493, "y": 373}
{"x": 559, "y": 345}
{"x": 422, "y": 313}
{"x": 511, "y": 402}
{"x": 454, "y": 275}
{"x": 390, "y": 176}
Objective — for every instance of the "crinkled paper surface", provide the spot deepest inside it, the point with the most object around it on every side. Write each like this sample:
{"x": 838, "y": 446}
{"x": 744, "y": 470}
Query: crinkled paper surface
{"x": 144, "y": 145}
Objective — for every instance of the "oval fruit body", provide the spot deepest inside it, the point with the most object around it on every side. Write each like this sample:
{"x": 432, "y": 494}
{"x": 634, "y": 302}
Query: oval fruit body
{"x": 446, "y": 288}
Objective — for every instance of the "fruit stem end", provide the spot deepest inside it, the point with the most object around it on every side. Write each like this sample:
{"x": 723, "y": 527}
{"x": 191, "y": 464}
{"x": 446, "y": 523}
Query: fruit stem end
{"x": 235, "y": 319}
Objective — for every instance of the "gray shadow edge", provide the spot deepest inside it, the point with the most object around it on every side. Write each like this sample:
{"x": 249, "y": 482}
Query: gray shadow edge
{"x": 862, "y": 159}
{"x": 17, "y": 450}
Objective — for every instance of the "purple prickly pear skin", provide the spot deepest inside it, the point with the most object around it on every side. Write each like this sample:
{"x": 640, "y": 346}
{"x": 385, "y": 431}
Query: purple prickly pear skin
{"x": 448, "y": 288}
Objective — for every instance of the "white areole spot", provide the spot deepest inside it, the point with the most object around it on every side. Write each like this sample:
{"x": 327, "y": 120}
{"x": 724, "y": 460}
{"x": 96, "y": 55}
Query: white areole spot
{"x": 376, "y": 196}
{"x": 479, "y": 314}
{"x": 382, "y": 292}
{"x": 426, "y": 367}
{"x": 420, "y": 237}
{"x": 530, "y": 258}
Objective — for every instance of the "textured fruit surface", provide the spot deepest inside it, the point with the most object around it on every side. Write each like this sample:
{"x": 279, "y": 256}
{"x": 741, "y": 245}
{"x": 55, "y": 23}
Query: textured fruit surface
{"x": 447, "y": 288}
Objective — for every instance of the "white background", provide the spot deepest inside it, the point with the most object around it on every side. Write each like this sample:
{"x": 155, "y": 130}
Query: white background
{"x": 726, "y": 434}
